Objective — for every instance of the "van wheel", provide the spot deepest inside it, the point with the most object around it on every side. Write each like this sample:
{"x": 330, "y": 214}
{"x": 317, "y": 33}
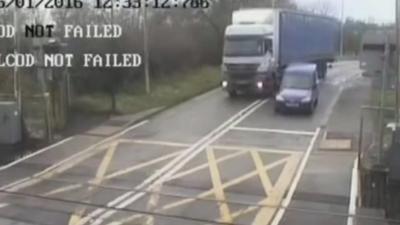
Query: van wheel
{"x": 310, "y": 109}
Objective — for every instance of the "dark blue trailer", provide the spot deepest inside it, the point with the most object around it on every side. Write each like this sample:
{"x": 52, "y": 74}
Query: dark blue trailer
{"x": 304, "y": 37}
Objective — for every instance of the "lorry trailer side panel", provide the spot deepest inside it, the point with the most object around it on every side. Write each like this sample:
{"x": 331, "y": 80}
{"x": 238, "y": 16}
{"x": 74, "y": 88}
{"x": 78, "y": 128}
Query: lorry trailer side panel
{"x": 307, "y": 38}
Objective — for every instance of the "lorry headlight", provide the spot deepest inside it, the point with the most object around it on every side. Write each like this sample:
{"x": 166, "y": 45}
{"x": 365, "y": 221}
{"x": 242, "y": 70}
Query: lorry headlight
{"x": 306, "y": 99}
{"x": 260, "y": 85}
{"x": 279, "y": 98}
{"x": 224, "y": 84}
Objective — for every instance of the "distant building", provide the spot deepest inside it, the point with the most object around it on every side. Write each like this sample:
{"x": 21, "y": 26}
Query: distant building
{"x": 373, "y": 48}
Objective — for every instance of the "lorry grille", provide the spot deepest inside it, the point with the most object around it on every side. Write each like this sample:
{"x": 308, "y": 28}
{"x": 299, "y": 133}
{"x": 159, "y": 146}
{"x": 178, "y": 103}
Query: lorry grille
{"x": 241, "y": 68}
{"x": 242, "y": 76}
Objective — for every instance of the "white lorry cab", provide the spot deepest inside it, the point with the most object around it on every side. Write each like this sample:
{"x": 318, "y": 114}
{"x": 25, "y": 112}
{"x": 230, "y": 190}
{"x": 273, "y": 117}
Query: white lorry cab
{"x": 248, "y": 52}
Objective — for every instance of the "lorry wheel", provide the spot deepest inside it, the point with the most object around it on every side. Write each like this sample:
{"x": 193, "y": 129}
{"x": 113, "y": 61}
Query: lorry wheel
{"x": 324, "y": 73}
{"x": 322, "y": 69}
{"x": 232, "y": 93}
{"x": 277, "y": 109}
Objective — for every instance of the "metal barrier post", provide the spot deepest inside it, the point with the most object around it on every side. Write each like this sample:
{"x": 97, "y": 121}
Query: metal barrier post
{"x": 360, "y": 139}
{"x": 48, "y": 117}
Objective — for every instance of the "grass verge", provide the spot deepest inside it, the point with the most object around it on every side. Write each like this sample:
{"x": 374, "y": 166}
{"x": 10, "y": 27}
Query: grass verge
{"x": 166, "y": 91}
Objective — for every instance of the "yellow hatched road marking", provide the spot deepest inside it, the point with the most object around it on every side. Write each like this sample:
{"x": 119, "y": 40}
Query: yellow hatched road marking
{"x": 291, "y": 162}
{"x": 127, "y": 219}
{"x": 205, "y": 165}
{"x": 149, "y": 142}
{"x": 195, "y": 169}
{"x": 247, "y": 210}
{"x": 218, "y": 189}
{"x": 142, "y": 165}
{"x": 250, "y": 148}
{"x": 266, "y": 182}
{"x": 45, "y": 175}
{"x": 279, "y": 189}
{"x": 241, "y": 150}
{"x": 277, "y": 131}
{"x": 222, "y": 147}
{"x": 225, "y": 185}
{"x": 105, "y": 164}
{"x": 265, "y": 214}
{"x": 75, "y": 217}
{"x": 101, "y": 171}
{"x": 179, "y": 175}
{"x": 152, "y": 203}
{"x": 114, "y": 174}
{"x": 68, "y": 162}
{"x": 242, "y": 212}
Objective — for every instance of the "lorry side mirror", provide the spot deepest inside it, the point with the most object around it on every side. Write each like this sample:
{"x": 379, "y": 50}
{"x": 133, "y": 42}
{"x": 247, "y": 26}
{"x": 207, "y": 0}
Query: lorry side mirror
{"x": 268, "y": 45}
{"x": 267, "y": 49}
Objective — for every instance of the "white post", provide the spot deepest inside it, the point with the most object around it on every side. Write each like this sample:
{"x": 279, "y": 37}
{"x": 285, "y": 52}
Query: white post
{"x": 397, "y": 61}
{"x": 382, "y": 97}
{"x": 16, "y": 77}
{"x": 146, "y": 51}
{"x": 342, "y": 29}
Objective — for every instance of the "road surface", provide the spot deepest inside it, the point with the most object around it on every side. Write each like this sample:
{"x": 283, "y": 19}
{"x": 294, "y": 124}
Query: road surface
{"x": 211, "y": 160}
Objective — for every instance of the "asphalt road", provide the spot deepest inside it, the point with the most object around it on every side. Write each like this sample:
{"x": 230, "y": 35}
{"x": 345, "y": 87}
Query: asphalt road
{"x": 211, "y": 160}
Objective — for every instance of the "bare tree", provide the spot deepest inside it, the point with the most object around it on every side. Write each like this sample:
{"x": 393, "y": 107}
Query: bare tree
{"x": 178, "y": 39}
{"x": 321, "y": 7}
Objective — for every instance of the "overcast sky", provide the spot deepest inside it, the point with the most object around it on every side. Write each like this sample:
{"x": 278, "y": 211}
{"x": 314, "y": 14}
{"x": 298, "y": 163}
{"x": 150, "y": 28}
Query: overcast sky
{"x": 380, "y": 11}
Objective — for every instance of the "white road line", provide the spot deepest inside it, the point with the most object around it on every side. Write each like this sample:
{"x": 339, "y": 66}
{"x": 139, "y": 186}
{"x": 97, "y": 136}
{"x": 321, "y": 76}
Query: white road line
{"x": 177, "y": 163}
{"x": 35, "y": 153}
{"x": 245, "y": 148}
{"x": 353, "y": 193}
{"x": 331, "y": 105}
{"x": 23, "y": 182}
{"x": 296, "y": 180}
{"x": 278, "y": 131}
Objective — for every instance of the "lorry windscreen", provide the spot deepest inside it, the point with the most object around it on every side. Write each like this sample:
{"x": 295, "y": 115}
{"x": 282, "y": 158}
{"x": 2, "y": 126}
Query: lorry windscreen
{"x": 297, "y": 81}
{"x": 249, "y": 46}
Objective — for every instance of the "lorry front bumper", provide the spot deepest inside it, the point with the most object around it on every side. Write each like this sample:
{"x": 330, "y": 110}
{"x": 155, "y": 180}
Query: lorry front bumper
{"x": 259, "y": 84}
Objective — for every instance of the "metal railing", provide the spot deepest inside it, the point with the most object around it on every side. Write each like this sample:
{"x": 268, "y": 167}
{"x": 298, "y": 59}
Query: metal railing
{"x": 374, "y": 137}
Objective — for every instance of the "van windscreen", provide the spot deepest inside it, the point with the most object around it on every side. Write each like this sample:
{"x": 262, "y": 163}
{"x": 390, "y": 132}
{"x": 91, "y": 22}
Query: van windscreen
{"x": 297, "y": 81}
